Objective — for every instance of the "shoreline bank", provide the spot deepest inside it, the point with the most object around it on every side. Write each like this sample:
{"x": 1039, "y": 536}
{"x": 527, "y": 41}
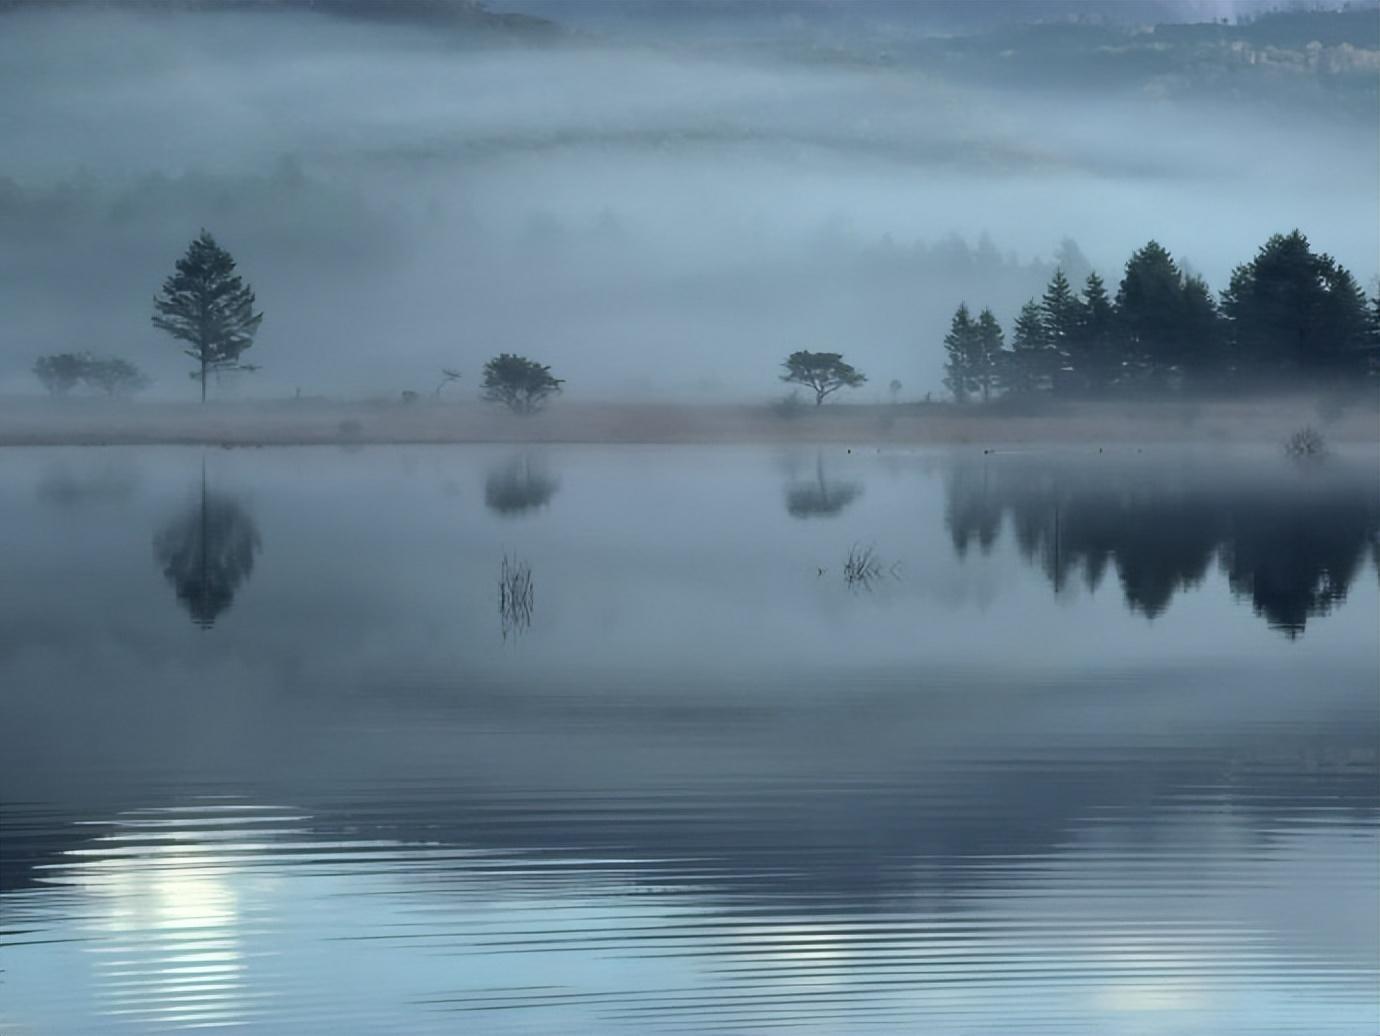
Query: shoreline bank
{"x": 306, "y": 423}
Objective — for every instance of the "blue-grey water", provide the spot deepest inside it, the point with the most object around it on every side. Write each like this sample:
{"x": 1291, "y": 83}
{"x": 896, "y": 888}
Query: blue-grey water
{"x": 1087, "y": 743}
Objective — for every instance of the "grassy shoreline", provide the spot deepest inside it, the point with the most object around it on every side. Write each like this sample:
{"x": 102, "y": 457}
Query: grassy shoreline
{"x": 86, "y": 422}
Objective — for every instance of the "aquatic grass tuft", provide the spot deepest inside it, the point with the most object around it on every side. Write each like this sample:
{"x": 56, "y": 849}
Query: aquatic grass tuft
{"x": 515, "y": 595}
{"x": 864, "y": 567}
{"x": 1306, "y": 442}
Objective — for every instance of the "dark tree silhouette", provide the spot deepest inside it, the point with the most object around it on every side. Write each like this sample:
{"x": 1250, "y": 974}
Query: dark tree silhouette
{"x": 207, "y": 553}
{"x": 960, "y": 348}
{"x": 824, "y": 373}
{"x": 520, "y": 485}
{"x": 1199, "y": 356}
{"x": 1093, "y": 350}
{"x": 115, "y": 376}
{"x": 1149, "y": 305}
{"x": 1293, "y": 310}
{"x": 206, "y": 305}
{"x": 1028, "y": 366}
{"x": 520, "y": 384}
{"x": 61, "y": 372}
{"x": 988, "y": 346}
{"x": 1061, "y": 313}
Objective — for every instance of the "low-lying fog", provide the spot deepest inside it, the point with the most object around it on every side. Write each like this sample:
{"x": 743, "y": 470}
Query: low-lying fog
{"x": 652, "y": 219}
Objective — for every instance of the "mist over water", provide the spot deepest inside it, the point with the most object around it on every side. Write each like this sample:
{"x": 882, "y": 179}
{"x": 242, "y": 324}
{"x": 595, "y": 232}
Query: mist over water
{"x": 273, "y": 756}
{"x": 499, "y": 646}
{"x": 656, "y": 216}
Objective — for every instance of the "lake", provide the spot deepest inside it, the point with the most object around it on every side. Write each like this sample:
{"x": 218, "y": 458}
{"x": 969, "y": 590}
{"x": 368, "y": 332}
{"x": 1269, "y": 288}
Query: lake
{"x": 752, "y": 739}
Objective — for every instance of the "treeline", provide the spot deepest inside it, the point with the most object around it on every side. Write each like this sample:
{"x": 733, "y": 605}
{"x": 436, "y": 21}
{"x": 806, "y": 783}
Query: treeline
{"x": 60, "y": 373}
{"x": 1289, "y": 314}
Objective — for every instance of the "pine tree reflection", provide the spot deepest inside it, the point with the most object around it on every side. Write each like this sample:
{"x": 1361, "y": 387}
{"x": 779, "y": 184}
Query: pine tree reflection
{"x": 1291, "y": 542}
{"x": 207, "y": 553}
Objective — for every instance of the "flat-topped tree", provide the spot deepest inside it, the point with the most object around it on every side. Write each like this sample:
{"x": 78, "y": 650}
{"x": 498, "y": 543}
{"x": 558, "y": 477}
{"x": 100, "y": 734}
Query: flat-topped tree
{"x": 206, "y": 304}
{"x": 520, "y": 384}
{"x": 825, "y": 373}
{"x": 61, "y": 372}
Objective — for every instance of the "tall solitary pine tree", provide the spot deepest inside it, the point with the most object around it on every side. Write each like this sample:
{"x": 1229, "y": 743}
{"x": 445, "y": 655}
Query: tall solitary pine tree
{"x": 206, "y": 305}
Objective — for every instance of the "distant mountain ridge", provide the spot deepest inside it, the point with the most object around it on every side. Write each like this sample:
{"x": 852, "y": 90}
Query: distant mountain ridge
{"x": 441, "y": 14}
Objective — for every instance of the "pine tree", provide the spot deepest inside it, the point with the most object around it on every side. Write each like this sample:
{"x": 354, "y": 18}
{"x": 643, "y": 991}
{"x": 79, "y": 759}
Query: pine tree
{"x": 989, "y": 341}
{"x": 1200, "y": 331}
{"x": 1060, "y": 309}
{"x": 1294, "y": 310}
{"x": 1093, "y": 349}
{"x": 1149, "y": 305}
{"x": 960, "y": 343}
{"x": 1025, "y": 366}
{"x": 1372, "y": 362}
{"x": 206, "y": 304}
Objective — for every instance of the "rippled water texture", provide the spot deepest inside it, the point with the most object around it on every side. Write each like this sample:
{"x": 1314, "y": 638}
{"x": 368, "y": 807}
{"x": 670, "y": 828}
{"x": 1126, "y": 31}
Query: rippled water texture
{"x": 618, "y": 740}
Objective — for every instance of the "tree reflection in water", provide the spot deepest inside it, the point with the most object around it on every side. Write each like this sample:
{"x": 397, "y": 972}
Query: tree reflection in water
{"x": 1290, "y": 541}
{"x": 519, "y": 485}
{"x": 207, "y": 552}
{"x": 820, "y": 498}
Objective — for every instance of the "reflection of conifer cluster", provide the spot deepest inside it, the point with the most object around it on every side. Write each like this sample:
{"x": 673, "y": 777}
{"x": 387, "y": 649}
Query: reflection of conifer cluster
{"x": 1293, "y": 549}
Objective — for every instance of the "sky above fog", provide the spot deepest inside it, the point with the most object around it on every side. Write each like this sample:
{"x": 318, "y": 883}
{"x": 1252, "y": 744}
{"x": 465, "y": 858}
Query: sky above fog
{"x": 651, "y": 219}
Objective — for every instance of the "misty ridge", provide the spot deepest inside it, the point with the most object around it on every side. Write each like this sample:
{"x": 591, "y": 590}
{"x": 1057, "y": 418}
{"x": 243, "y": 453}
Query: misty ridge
{"x": 652, "y": 205}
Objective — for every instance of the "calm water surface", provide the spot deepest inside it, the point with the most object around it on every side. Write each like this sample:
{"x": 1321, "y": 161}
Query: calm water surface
{"x": 1088, "y": 745}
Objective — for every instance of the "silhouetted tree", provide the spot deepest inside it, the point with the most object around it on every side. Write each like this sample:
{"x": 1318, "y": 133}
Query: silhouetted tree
{"x": 1149, "y": 304}
{"x": 1200, "y": 332}
{"x": 206, "y": 305}
{"x": 61, "y": 372}
{"x": 1092, "y": 349}
{"x": 1027, "y": 367}
{"x": 961, "y": 349}
{"x": 989, "y": 343}
{"x": 1372, "y": 364}
{"x": 1293, "y": 310}
{"x": 520, "y": 384}
{"x": 824, "y": 373}
{"x": 207, "y": 553}
{"x": 1061, "y": 315}
{"x": 115, "y": 376}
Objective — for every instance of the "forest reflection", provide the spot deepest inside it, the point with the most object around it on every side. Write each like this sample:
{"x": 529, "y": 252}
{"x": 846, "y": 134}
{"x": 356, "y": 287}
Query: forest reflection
{"x": 1290, "y": 540}
{"x": 207, "y": 553}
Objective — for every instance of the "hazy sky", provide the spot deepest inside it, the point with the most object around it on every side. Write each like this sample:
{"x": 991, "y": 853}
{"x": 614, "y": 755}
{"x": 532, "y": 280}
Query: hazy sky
{"x": 663, "y": 218}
